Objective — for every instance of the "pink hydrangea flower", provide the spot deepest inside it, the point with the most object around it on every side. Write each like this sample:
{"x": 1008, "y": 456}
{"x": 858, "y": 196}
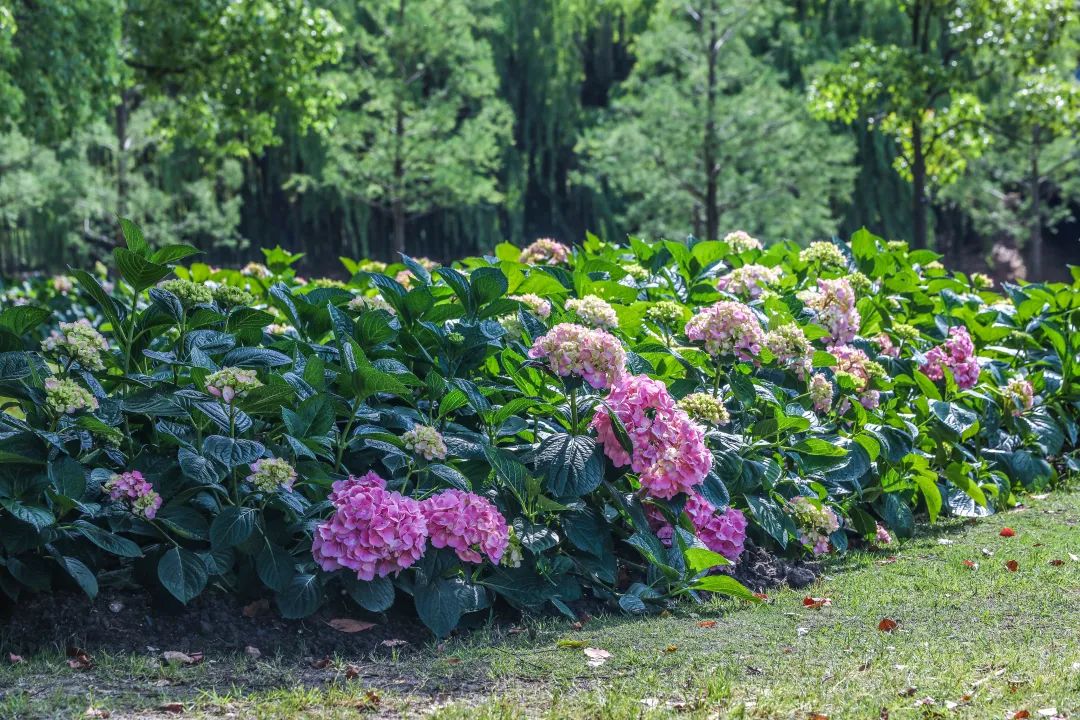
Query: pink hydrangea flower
{"x": 815, "y": 522}
{"x": 861, "y": 369}
{"x": 545, "y": 250}
{"x": 1019, "y": 395}
{"x": 668, "y": 449}
{"x": 373, "y": 532}
{"x": 881, "y": 535}
{"x": 749, "y": 280}
{"x": 727, "y": 328}
{"x": 834, "y": 304}
{"x": 540, "y": 307}
{"x": 132, "y": 486}
{"x": 724, "y": 532}
{"x": 468, "y": 523}
{"x": 956, "y": 353}
{"x": 885, "y": 342}
{"x": 571, "y": 349}
{"x": 821, "y": 393}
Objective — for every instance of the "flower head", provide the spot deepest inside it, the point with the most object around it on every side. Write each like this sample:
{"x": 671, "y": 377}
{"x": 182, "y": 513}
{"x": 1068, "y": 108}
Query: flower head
{"x": 741, "y": 241}
{"x": 189, "y": 293}
{"x": 1019, "y": 395}
{"x": 834, "y": 303}
{"x": 62, "y": 284}
{"x": 545, "y": 251}
{"x": 80, "y": 342}
{"x": 722, "y": 532}
{"x": 571, "y": 349}
{"x": 231, "y": 382}
{"x": 727, "y": 328}
{"x": 468, "y": 523}
{"x": 67, "y": 396}
{"x": 668, "y": 450}
{"x": 667, "y": 313}
{"x": 132, "y": 486}
{"x": 855, "y": 364}
{"x": 426, "y": 441}
{"x": 256, "y": 270}
{"x": 232, "y": 296}
{"x": 821, "y": 393}
{"x": 981, "y": 281}
{"x": 791, "y": 348}
{"x": 705, "y": 408}
{"x": 825, "y": 254}
{"x": 594, "y": 312}
{"x": 363, "y": 303}
{"x": 816, "y": 522}
{"x": 373, "y": 532}
{"x": 749, "y": 280}
{"x": 956, "y": 353}
{"x": 537, "y": 305}
{"x": 884, "y": 342}
{"x": 881, "y": 535}
{"x": 271, "y": 474}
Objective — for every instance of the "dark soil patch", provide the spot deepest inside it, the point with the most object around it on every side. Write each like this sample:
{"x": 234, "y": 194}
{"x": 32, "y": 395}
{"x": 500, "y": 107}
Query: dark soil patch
{"x": 760, "y": 570}
{"x": 130, "y": 621}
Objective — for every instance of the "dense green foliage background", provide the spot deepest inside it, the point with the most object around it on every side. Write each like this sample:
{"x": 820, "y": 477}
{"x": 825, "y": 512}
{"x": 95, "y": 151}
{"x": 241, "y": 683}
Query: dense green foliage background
{"x": 447, "y": 126}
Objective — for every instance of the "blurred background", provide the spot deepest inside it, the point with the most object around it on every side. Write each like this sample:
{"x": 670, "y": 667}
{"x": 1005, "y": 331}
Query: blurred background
{"x": 442, "y": 127}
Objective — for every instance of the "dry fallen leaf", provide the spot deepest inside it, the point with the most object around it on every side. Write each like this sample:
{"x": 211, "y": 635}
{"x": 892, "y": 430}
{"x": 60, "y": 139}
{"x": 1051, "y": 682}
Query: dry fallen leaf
{"x": 817, "y": 716}
{"x": 1007, "y": 532}
{"x": 352, "y": 672}
{"x": 253, "y": 652}
{"x": 257, "y": 608}
{"x": 707, "y": 624}
{"x": 816, "y": 603}
{"x": 1056, "y": 562}
{"x": 348, "y": 625}
{"x": 887, "y": 625}
{"x": 907, "y": 692}
{"x": 1020, "y": 715}
{"x": 597, "y": 656}
{"x": 1012, "y": 565}
{"x": 174, "y": 657}
{"x": 93, "y": 712}
{"x": 15, "y": 659}
{"x": 395, "y": 642}
{"x": 888, "y": 561}
{"x": 671, "y": 648}
{"x": 321, "y": 663}
{"x": 761, "y": 596}
{"x": 971, "y": 565}
{"x": 174, "y": 707}
{"x": 79, "y": 659}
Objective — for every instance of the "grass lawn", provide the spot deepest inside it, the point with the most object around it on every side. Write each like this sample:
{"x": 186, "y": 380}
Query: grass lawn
{"x": 973, "y": 639}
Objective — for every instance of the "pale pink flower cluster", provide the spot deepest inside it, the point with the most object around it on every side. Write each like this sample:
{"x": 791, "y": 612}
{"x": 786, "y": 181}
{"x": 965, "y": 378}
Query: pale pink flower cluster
{"x": 816, "y": 523}
{"x": 256, "y": 270}
{"x": 540, "y": 307}
{"x": 1020, "y": 395}
{"x": 724, "y": 533}
{"x": 594, "y": 311}
{"x": 62, "y": 284}
{"x": 727, "y": 328}
{"x": 881, "y": 535}
{"x": 468, "y": 523}
{"x": 363, "y": 303}
{"x": 741, "y": 241}
{"x": 834, "y": 303}
{"x": 426, "y": 441}
{"x": 883, "y": 341}
{"x": 861, "y": 369}
{"x": 791, "y": 348}
{"x": 134, "y": 487}
{"x": 229, "y": 383}
{"x": 545, "y": 250}
{"x": 373, "y": 532}
{"x": 270, "y": 474}
{"x": 749, "y": 280}
{"x": 956, "y": 353}
{"x": 80, "y": 341}
{"x": 572, "y": 349}
{"x": 668, "y": 449}
{"x": 821, "y": 393}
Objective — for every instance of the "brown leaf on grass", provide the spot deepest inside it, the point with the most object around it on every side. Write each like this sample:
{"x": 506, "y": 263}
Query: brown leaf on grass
{"x": 707, "y": 624}
{"x": 817, "y": 716}
{"x": 1012, "y": 565}
{"x": 256, "y": 609}
{"x": 253, "y": 652}
{"x": 79, "y": 659}
{"x": 888, "y": 561}
{"x": 816, "y": 603}
{"x": 671, "y": 648}
{"x": 395, "y": 642}
{"x": 1057, "y": 562}
{"x": 174, "y": 657}
{"x": 761, "y": 596}
{"x": 1020, "y": 715}
{"x": 174, "y": 707}
{"x": 971, "y": 565}
{"x": 93, "y": 712}
{"x": 321, "y": 664}
{"x": 907, "y": 692}
{"x": 597, "y": 656}
{"x": 1007, "y": 532}
{"x": 349, "y": 625}
{"x": 369, "y": 702}
{"x": 352, "y": 672}
{"x": 887, "y": 625}
{"x": 15, "y": 659}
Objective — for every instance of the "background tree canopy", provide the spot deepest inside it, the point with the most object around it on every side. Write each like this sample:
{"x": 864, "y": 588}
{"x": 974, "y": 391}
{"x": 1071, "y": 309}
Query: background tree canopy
{"x": 442, "y": 128}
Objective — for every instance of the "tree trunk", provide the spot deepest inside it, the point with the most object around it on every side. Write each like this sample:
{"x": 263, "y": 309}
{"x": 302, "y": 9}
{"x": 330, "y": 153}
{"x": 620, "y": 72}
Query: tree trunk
{"x": 398, "y": 202}
{"x": 399, "y": 229}
{"x": 121, "y": 155}
{"x": 1036, "y": 240}
{"x": 712, "y": 219}
{"x": 918, "y": 186}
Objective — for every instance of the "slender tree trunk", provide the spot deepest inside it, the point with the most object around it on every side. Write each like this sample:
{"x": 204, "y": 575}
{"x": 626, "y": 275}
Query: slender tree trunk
{"x": 398, "y": 203}
{"x": 918, "y": 186}
{"x": 712, "y": 219}
{"x": 121, "y": 128}
{"x": 1036, "y": 241}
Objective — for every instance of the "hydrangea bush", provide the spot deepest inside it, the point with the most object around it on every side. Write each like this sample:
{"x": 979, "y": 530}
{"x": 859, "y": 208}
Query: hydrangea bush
{"x": 529, "y": 428}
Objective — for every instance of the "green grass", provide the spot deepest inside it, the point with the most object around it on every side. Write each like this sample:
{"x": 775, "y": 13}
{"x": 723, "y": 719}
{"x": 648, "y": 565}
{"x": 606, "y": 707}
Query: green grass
{"x": 981, "y": 643}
